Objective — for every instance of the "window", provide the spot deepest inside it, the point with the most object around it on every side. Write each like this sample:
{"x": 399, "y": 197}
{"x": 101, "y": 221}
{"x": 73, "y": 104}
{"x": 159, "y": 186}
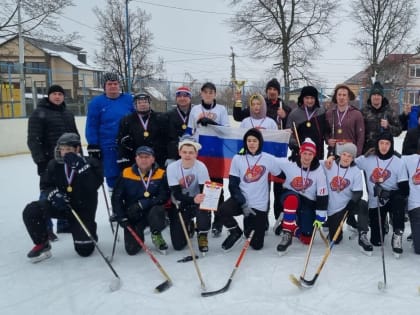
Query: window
{"x": 5, "y": 66}
{"x": 35, "y": 67}
{"x": 414, "y": 71}
{"x": 413, "y": 97}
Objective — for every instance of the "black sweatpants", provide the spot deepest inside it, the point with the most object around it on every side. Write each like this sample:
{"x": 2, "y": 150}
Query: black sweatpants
{"x": 414, "y": 215}
{"x": 35, "y": 217}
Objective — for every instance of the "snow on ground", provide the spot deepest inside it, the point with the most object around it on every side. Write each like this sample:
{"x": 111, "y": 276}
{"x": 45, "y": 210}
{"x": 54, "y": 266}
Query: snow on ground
{"x": 69, "y": 284}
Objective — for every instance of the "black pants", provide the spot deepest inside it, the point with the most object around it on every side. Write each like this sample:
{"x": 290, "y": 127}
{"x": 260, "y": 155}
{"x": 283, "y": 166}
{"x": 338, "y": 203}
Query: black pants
{"x": 35, "y": 217}
{"x": 154, "y": 218}
{"x": 360, "y": 209}
{"x": 414, "y": 215}
{"x": 230, "y": 208}
{"x": 203, "y": 220}
{"x": 216, "y": 218}
{"x": 396, "y": 207}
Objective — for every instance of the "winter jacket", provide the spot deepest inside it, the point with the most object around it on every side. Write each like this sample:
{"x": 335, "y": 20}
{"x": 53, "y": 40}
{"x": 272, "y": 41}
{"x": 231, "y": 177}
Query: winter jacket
{"x": 411, "y": 141}
{"x": 130, "y": 190}
{"x": 240, "y": 114}
{"x": 103, "y": 118}
{"x": 45, "y": 125}
{"x": 372, "y": 118}
{"x": 131, "y": 126}
{"x": 352, "y": 129}
{"x": 174, "y": 124}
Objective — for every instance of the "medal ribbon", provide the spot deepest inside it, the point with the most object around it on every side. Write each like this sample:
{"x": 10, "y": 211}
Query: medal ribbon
{"x": 144, "y": 123}
{"x": 309, "y": 117}
{"x": 341, "y": 179}
{"x": 304, "y": 180}
{"x": 146, "y": 184}
{"x": 251, "y": 169}
{"x": 66, "y": 171}
{"x": 383, "y": 171}
{"x": 252, "y": 123}
{"x": 183, "y": 177}
{"x": 184, "y": 119}
{"x": 340, "y": 119}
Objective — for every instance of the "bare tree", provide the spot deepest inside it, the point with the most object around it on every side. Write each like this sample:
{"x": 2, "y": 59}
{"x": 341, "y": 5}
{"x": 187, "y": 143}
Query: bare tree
{"x": 384, "y": 26}
{"x": 288, "y": 31}
{"x": 112, "y": 35}
{"x": 37, "y": 16}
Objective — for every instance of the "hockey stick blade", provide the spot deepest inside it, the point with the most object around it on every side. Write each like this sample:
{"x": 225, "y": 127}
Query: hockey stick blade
{"x": 187, "y": 258}
{"x": 295, "y": 281}
{"x": 222, "y": 290}
{"x": 163, "y": 286}
{"x": 308, "y": 283}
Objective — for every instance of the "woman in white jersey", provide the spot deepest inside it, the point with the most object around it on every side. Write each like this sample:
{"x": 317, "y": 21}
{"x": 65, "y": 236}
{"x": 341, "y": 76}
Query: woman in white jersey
{"x": 258, "y": 115}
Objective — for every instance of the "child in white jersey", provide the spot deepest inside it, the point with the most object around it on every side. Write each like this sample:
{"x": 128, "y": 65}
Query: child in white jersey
{"x": 249, "y": 191}
{"x": 258, "y": 114}
{"x": 345, "y": 189}
{"x": 305, "y": 196}
{"x": 186, "y": 178}
{"x": 387, "y": 186}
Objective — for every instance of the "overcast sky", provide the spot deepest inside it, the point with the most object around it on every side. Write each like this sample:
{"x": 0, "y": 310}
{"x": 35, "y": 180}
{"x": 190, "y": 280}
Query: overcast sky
{"x": 193, "y": 40}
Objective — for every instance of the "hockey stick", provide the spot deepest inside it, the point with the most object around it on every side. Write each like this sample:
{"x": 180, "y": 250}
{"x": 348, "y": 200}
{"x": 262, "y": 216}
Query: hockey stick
{"x": 193, "y": 255}
{"x": 168, "y": 282}
{"x": 292, "y": 277}
{"x": 238, "y": 262}
{"x": 116, "y": 284}
{"x": 310, "y": 283}
{"x": 108, "y": 209}
{"x": 114, "y": 244}
{"x": 381, "y": 285}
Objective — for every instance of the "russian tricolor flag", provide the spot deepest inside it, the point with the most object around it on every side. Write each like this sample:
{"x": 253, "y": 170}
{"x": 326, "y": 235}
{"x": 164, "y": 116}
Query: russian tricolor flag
{"x": 220, "y": 144}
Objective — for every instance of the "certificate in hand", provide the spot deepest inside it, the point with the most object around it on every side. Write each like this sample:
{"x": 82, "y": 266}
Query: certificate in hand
{"x": 212, "y": 193}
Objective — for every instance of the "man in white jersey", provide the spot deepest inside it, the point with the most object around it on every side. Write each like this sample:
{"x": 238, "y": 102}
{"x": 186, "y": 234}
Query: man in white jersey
{"x": 305, "y": 196}
{"x": 209, "y": 113}
{"x": 345, "y": 190}
{"x": 186, "y": 178}
{"x": 387, "y": 186}
{"x": 412, "y": 164}
{"x": 249, "y": 191}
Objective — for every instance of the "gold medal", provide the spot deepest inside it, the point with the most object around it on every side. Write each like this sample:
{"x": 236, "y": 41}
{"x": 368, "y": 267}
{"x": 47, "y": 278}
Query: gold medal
{"x": 146, "y": 194}
{"x": 69, "y": 189}
{"x": 146, "y": 134}
{"x": 380, "y": 180}
{"x": 340, "y": 131}
{"x": 184, "y": 126}
{"x": 308, "y": 124}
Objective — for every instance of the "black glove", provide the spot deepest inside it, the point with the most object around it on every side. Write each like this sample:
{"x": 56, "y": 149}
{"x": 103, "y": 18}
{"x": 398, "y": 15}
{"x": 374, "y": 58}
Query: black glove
{"x": 127, "y": 142}
{"x": 381, "y": 193}
{"x": 123, "y": 222}
{"x": 123, "y": 163}
{"x": 94, "y": 151}
{"x": 59, "y": 200}
{"x": 41, "y": 167}
{"x": 135, "y": 211}
{"x": 204, "y": 121}
{"x": 74, "y": 160}
{"x": 189, "y": 208}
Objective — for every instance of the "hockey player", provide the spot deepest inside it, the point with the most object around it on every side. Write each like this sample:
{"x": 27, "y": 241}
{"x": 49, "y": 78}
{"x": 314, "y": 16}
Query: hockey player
{"x": 258, "y": 114}
{"x": 345, "y": 189}
{"x": 249, "y": 191}
{"x": 387, "y": 186}
{"x": 71, "y": 182}
{"x": 305, "y": 196}
{"x": 186, "y": 178}
{"x": 138, "y": 200}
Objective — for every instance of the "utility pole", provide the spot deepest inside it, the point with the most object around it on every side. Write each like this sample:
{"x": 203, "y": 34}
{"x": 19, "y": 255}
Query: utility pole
{"x": 21, "y": 63}
{"x": 127, "y": 35}
{"x": 233, "y": 71}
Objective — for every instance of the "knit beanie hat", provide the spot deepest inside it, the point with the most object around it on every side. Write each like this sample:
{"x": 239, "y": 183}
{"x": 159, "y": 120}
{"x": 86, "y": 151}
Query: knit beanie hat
{"x": 273, "y": 83}
{"x": 257, "y": 134}
{"x": 377, "y": 88}
{"x": 385, "y": 136}
{"x": 183, "y": 90}
{"x": 347, "y": 147}
{"x": 55, "y": 88}
{"x": 308, "y": 91}
{"x": 308, "y": 145}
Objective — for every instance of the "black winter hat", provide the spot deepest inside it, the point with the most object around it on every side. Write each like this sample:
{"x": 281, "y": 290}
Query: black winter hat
{"x": 274, "y": 84}
{"x": 308, "y": 91}
{"x": 55, "y": 88}
{"x": 385, "y": 136}
{"x": 377, "y": 88}
{"x": 257, "y": 134}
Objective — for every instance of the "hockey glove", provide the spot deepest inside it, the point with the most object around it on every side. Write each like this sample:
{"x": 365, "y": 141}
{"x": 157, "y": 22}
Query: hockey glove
{"x": 320, "y": 218}
{"x": 204, "y": 121}
{"x": 59, "y": 200}
{"x": 74, "y": 161}
{"x": 94, "y": 151}
{"x": 123, "y": 222}
{"x": 247, "y": 210}
{"x": 127, "y": 142}
{"x": 381, "y": 193}
{"x": 135, "y": 211}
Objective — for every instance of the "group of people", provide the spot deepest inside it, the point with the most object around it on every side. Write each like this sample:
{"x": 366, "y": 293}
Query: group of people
{"x": 151, "y": 164}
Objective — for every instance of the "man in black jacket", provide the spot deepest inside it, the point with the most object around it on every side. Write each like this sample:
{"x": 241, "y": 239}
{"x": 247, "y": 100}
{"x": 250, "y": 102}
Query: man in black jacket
{"x": 45, "y": 125}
